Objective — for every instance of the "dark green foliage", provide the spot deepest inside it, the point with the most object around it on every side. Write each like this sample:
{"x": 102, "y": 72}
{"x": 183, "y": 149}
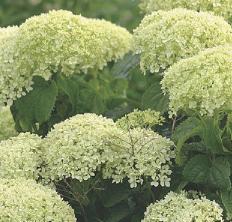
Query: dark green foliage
{"x": 125, "y": 13}
{"x": 36, "y": 106}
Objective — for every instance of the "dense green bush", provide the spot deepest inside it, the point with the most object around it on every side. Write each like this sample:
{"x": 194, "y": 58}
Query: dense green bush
{"x": 125, "y": 13}
{"x": 72, "y": 83}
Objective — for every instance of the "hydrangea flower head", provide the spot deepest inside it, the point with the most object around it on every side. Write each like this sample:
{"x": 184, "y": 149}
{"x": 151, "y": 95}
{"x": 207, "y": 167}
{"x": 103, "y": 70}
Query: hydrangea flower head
{"x": 218, "y": 7}
{"x": 165, "y": 37}
{"x": 74, "y": 147}
{"x": 9, "y": 80}
{"x": 56, "y": 42}
{"x": 60, "y": 40}
{"x": 147, "y": 118}
{"x": 20, "y": 157}
{"x": 181, "y": 207}
{"x": 137, "y": 154}
{"x": 25, "y": 200}
{"x": 201, "y": 83}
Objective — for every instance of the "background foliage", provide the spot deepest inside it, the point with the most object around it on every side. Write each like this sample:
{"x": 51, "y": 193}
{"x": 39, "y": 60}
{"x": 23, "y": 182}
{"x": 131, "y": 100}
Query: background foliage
{"x": 125, "y": 13}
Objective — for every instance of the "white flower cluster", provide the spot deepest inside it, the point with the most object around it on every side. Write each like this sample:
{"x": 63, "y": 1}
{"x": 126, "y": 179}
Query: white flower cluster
{"x": 58, "y": 41}
{"x": 201, "y": 83}
{"x": 21, "y": 157}
{"x": 218, "y": 7}
{"x": 84, "y": 144}
{"x": 138, "y": 155}
{"x": 25, "y": 200}
{"x": 165, "y": 37}
{"x": 74, "y": 147}
{"x": 147, "y": 118}
{"x": 180, "y": 207}
{"x": 78, "y": 148}
{"x": 9, "y": 80}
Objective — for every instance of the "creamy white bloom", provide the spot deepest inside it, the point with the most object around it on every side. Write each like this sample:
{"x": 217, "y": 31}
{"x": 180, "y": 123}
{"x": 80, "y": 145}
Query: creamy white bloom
{"x": 218, "y": 7}
{"x": 182, "y": 207}
{"x": 165, "y": 37}
{"x": 25, "y": 200}
{"x": 147, "y": 118}
{"x": 56, "y": 42}
{"x": 21, "y": 157}
{"x": 74, "y": 147}
{"x": 136, "y": 155}
{"x": 201, "y": 83}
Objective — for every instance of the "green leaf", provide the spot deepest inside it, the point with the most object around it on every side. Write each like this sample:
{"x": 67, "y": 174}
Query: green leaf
{"x": 70, "y": 87}
{"x": 194, "y": 147}
{"x": 226, "y": 197}
{"x": 219, "y": 174}
{"x": 120, "y": 193}
{"x": 184, "y": 131}
{"x": 124, "y": 66}
{"x": 36, "y": 106}
{"x": 196, "y": 169}
{"x": 211, "y": 135}
{"x": 200, "y": 169}
{"x": 117, "y": 213}
{"x": 154, "y": 98}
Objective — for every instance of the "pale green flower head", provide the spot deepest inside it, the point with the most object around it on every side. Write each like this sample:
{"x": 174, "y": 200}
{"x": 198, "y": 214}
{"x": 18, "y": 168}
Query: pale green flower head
{"x": 165, "y": 37}
{"x": 147, "y": 118}
{"x": 74, "y": 147}
{"x": 58, "y": 41}
{"x": 201, "y": 83}
{"x": 20, "y": 157}
{"x": 25, "y": 200}
{"x": 7, "y": 125}
{"x": 182, "y": 207}
{"x": 136, "y": 155}
{"x": 218, "y": 7}
{"x": 9, "y": 80}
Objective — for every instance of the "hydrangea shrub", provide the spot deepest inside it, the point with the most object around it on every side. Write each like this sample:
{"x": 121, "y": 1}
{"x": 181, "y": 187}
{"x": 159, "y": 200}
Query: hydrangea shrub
{"x": 112, "y": 170}
{"x": 25, "y": 200}
{"x": 180, "y": 207}
{"x": 218, "y": 7}
{"x": 165, "y": 37}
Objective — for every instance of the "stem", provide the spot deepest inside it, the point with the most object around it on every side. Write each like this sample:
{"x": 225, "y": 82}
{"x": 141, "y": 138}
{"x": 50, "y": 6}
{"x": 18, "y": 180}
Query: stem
{"x": 173, "y": 124}
{"x": 77, "y": 198}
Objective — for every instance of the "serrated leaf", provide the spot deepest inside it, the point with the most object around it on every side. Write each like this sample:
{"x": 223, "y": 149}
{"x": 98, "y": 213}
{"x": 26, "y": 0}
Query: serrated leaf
{"x": 211, "y": 135}
{"x": 117, "y": 213}
{"x": 37, "y": 105}
{"x": 200, "y": 169}
{"x": 226, "y": 197}
{"x": 125, "y": 65}
{"x": 120, "y": 193}
{"x": 219, "y": 174}
{"x": 154, "y": 98}
{"x": 184, "y": 131}
{"x": 196, "y": 169}
{"x": 194, "y": 147}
